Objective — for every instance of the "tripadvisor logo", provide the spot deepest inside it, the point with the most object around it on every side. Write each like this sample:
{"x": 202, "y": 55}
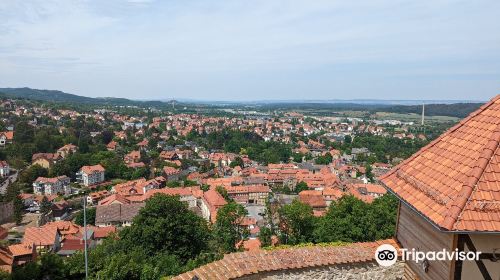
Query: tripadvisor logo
{"x": 387, "y": 255}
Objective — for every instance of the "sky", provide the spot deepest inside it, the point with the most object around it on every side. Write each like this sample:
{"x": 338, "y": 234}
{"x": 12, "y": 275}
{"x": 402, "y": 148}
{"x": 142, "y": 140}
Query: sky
{"x": 253, "y": 50}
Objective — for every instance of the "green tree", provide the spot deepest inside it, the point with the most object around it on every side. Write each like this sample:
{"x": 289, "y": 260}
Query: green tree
{"x": 301, "y": 186}
{"x": 90, "y": 217}
{"x": 223, "y": 192}
{"x": 227, "y": 229}
{"x": 296, "y": 223}
{"x": 18, "y": 209}
{"x": 347, "y": 219}
{"x": 237, "y": 162}
{"x": 24, "y": 133}
{"x": 165, "y": 224}
{"x": 52, "y": 267}
{"x": 265, "y": 236}
{"x": 45, "y": 206}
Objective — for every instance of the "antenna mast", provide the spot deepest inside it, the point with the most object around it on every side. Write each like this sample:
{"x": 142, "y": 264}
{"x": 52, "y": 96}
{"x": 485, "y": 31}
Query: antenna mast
{"x": 423, "y": 113}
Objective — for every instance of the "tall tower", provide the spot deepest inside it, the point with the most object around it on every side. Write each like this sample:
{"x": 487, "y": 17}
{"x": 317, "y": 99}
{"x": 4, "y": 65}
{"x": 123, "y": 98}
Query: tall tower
{"x": 423, "y": 113}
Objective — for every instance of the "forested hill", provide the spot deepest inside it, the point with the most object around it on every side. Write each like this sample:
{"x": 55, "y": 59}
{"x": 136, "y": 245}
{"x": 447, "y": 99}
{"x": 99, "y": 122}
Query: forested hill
{"x": 63, "y": 97}
{"x": 459, "y": 110}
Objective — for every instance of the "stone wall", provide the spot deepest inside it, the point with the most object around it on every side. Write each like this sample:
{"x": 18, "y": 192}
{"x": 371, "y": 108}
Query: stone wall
{"x": 367, "y": 270}
{"x": 6, "y": 212}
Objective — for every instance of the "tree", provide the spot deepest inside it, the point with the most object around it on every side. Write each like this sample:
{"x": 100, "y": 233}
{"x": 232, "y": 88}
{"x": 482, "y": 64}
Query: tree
{"x": 90, "y": 213}
{"x": 30, "y": 174}
{"x": 227, "y": 229}
{"x": 384, "y": 212}
{"x": 45, "y": 206}
{"x": 223, "y": 192}
{"x": 296, "y": 223}
{"x": 297, "y": 157}
{"x": 52, "y": 267}
{"x": 24, "y": 133}
{"x": 18, "y": 209}
{"x": 301, "y": 186}
{"x": 326, "y": 159}
{"x": 237, "y": 162}
{"x": 265, "y": 236}
{"x": 165, "y": 224}
{"x": 348, "y": 219}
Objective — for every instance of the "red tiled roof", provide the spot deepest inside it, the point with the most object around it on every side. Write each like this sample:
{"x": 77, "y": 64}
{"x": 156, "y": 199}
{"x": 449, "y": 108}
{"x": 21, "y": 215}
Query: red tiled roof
{"x": 21, "y": 249}
{"x": 8, "y": 134}
{"x": 313, "y": 198}
{"x": 455, "y": 180}
{"x": 6, "y": 260}
{"x": 44, "y": 236}
{"x": 103, "y": 232}
{"x": 73, "y": 245}
{"x": 3, "y": 233}
{"x": 237, "y": 265}
{"x": 92, "y": 169}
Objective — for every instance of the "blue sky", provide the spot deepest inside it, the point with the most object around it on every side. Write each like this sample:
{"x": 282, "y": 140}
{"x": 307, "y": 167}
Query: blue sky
{"x": 253, "y": 50}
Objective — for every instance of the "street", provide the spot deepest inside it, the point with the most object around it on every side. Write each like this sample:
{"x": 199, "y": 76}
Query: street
{"x": 11, "y": 179}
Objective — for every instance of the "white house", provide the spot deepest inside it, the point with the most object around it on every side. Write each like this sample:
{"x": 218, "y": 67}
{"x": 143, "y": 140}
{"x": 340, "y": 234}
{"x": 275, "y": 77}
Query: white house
{"x": 50, "y": 186}
{"x": 90, "y": 175}
{"x": 4, "y": 169}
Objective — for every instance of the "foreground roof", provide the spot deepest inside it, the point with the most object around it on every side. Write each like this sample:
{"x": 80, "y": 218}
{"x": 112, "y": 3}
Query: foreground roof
{"x": 236, "y": 265}
{"x": 455, "y": 180}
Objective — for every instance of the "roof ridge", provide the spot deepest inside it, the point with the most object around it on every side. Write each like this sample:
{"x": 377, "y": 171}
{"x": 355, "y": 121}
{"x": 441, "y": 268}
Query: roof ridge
{"x": 446, "y": 133}
{"x": 470, "y": 185}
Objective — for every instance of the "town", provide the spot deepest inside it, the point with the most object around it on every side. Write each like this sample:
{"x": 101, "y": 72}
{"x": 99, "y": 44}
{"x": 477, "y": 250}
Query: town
{"x": 249, "y": 140}
{"x": 255, "y": 180}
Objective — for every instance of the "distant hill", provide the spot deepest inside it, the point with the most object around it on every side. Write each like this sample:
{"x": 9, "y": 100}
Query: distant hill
{"x": 63, "y": 97}
{"x": 459, "y": 110}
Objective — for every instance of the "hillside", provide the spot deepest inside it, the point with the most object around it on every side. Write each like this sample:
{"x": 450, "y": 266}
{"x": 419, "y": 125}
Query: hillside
{"x": 63, "y": 97}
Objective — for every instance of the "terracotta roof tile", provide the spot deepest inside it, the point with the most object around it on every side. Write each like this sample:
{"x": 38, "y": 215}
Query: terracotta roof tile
{"x": 455, "y": 180}
{"x": 240, "y": 264}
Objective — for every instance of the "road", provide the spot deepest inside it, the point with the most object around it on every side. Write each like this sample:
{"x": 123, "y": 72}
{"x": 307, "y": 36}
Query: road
{"x": 12, "y": 178}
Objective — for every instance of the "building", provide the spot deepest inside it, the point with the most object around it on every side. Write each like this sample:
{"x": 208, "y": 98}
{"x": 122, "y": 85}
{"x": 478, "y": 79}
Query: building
{"x": 45, "y": 160}
{"x": 16, "y": 255}
{"x": 90, "y": 175}
{"x": 351, "y": 261}
{"x": 449, "y": 196}
{"x": 132, "y": 157}
{"x": 6, "y": 137}
{"x": 171, "y": 173}
{"x": 250, "y": 194}
{"x": 116, "y": 214}
{"x": 67, "y": 150}
{"x": 95, "y": 197}
{"x": 43, "y": 238}
{"x": 4, "y": 168}
{"x": 210, "y": 204}
{"x": 51, "y": 186}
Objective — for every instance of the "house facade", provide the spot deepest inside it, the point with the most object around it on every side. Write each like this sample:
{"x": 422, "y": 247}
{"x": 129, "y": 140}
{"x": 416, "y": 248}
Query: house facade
{"x": 6, "y": 137}
{"x": 4, "y": 169}
{"x": 51, "y": 186}
{"x": 90, "y": 175}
